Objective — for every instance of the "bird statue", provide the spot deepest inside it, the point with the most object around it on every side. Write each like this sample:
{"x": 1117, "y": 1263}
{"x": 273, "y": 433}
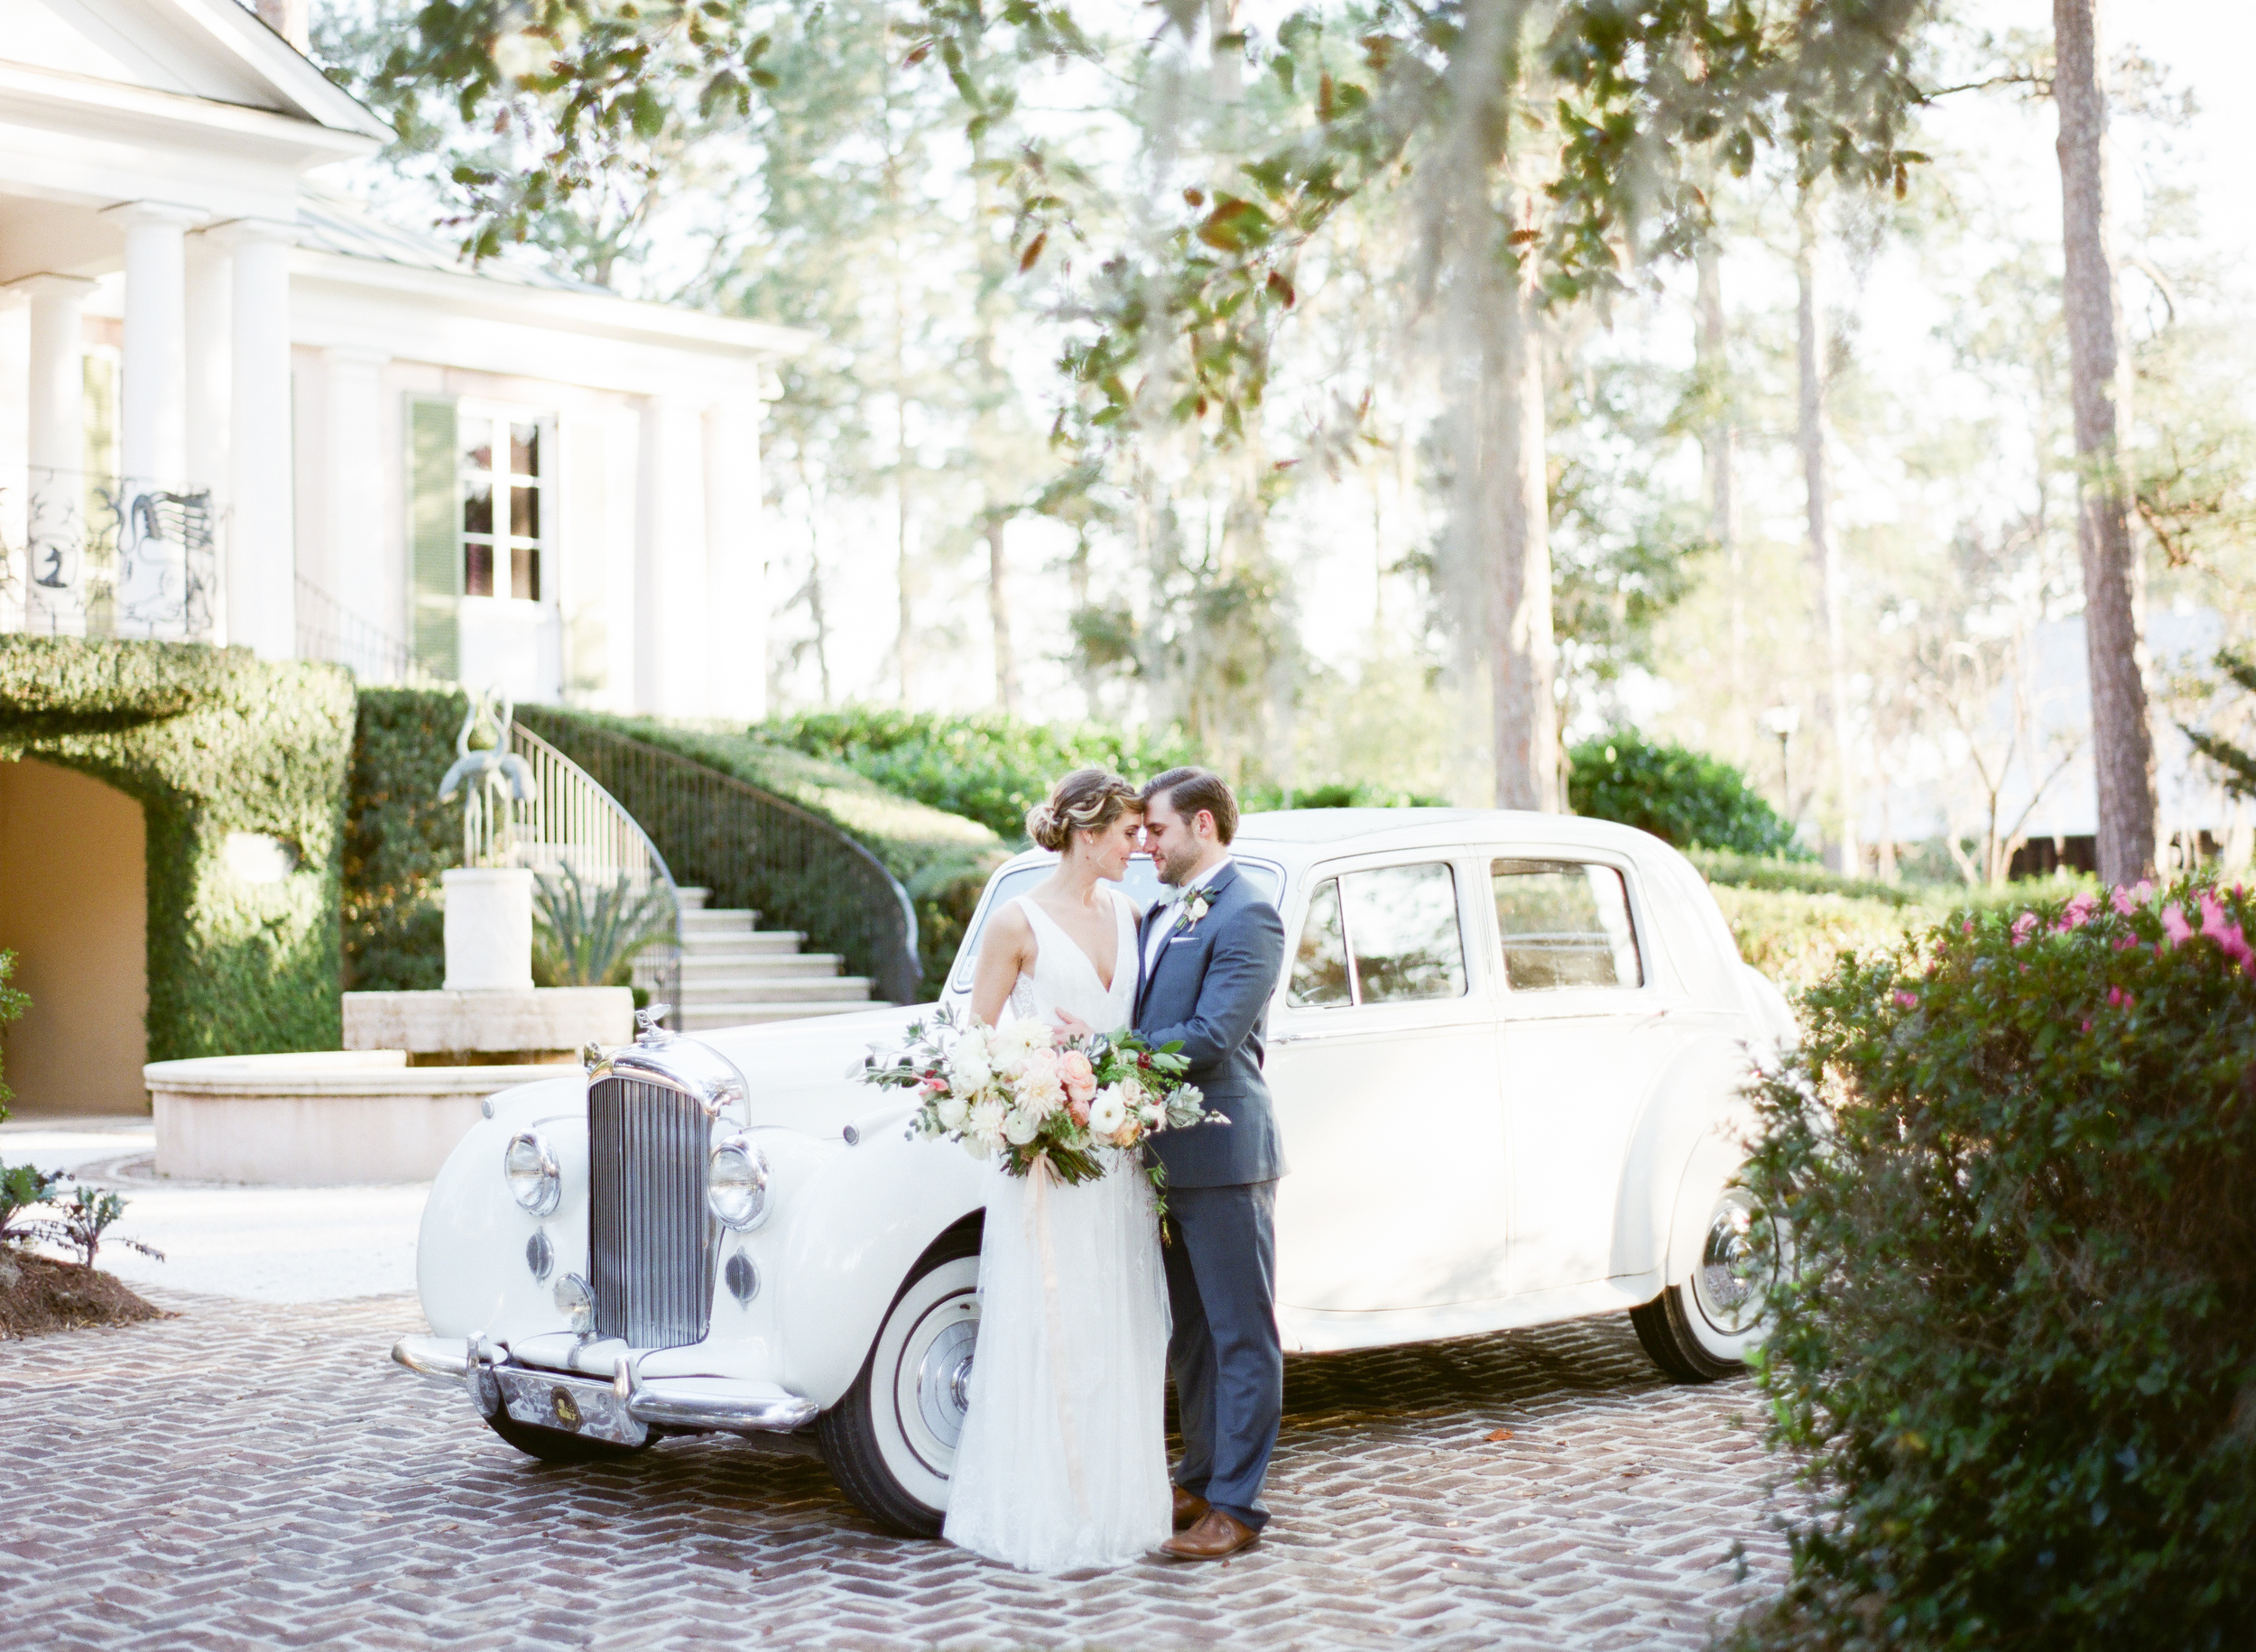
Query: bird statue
{"x": 490, "y": 778}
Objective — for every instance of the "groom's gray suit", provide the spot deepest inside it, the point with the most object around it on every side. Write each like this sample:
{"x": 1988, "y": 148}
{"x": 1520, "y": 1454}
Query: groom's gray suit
{"x": 1209, "y": 987}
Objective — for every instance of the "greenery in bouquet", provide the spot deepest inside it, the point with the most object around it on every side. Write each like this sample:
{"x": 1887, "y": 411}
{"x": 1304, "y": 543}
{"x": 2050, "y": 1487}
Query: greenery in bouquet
{"x": 2016, "y": 1350}
{"x": 1023, "y": 1094}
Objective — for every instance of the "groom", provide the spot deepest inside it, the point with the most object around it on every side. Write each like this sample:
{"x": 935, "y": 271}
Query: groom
{"x": 1210, "y": 959}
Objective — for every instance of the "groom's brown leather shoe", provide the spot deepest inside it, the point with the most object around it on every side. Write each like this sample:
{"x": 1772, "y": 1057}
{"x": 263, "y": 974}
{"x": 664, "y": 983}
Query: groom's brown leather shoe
{"x": 1189, "y": 1508}
{"x": 1217, "y": 1537}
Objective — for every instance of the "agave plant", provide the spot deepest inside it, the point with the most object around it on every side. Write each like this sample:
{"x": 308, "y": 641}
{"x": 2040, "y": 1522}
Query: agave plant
{"x": 586, "y": 932}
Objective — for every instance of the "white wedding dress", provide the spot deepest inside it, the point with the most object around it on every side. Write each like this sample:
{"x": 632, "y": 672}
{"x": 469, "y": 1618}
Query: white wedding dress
{"x": 1062, "y": 1461}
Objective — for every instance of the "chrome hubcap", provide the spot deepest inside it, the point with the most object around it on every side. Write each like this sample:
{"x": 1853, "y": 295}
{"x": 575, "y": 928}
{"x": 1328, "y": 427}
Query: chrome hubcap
{"x": 944, "y": 1380}
{"x": 1731, "y": 1283}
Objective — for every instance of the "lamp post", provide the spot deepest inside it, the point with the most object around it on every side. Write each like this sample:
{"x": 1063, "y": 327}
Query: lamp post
{"x": 1782, "y": 721}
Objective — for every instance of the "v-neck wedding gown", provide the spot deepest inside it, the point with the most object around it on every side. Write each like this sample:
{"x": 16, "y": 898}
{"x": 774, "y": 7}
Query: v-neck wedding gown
{"x": 1062, "y": 1461}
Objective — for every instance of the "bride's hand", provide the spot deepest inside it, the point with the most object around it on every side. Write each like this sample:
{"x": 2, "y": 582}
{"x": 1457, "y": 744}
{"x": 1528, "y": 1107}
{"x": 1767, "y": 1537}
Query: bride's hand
{"x": 1073, "y": 1026}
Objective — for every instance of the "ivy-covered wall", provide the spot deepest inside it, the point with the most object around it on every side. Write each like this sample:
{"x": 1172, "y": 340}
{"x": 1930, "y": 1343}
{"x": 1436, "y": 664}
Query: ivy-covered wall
{"x": 211, "y": 743}
{"x": 399, "y": 837}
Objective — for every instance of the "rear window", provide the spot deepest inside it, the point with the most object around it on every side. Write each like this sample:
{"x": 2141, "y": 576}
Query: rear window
{"x": 1384, "y": 936}
{"x": 1564, "y": 924}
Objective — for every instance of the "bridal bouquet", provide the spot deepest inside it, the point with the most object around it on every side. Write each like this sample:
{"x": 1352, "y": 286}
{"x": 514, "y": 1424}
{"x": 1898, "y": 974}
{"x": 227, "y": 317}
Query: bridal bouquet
{"x": 1029, "y": 1094}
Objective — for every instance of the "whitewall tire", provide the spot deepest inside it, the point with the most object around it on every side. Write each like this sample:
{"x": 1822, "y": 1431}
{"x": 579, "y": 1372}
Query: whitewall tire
{"x": 890, "y": 1440}
{"x": 1715, "y": 1309}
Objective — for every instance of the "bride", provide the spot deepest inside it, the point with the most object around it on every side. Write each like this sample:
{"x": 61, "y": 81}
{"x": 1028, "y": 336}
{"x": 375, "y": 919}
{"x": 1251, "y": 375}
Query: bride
{"x": 1062, "y": 1461}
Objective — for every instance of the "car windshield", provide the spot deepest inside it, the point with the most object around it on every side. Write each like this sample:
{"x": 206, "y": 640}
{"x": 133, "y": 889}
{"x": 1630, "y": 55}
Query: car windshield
{"x": 1142, "y": 886}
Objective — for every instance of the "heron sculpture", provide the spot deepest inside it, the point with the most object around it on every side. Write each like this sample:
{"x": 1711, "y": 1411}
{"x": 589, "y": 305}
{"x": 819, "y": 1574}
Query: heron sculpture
{"x": 490, "y": 779}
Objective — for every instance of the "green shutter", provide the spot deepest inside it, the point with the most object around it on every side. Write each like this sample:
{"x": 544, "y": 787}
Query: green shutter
{"x": 434, "y": 544}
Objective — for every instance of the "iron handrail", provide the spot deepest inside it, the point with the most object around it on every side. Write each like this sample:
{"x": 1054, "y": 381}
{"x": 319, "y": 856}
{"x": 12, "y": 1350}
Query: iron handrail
{"x": 754, "y": 849}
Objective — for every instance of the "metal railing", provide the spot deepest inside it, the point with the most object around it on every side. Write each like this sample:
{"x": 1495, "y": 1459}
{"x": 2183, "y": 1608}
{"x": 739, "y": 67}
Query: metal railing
{"x": 328, "y": 629}
{"x": 754, "y": 849}
{"x": 570, "y": 821}
{"x": 83, "y": 554}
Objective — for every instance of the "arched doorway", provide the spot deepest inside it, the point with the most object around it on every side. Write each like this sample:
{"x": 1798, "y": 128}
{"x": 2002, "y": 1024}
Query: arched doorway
{"x": 74, "y": 909}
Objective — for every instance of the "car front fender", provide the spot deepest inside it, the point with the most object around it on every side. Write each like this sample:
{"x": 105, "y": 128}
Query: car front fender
{"x": 1691, "y": 1138}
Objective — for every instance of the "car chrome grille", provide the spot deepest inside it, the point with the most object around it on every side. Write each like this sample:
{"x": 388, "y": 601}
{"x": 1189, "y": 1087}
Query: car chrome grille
{"x": 650, "y": 1238}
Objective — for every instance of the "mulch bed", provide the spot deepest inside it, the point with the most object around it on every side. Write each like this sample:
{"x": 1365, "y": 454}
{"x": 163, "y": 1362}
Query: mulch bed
{"x": 39, "y": 1294}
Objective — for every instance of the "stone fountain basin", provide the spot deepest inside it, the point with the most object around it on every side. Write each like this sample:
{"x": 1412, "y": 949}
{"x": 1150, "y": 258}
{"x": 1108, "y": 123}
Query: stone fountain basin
{"x": 323, "y": 1118}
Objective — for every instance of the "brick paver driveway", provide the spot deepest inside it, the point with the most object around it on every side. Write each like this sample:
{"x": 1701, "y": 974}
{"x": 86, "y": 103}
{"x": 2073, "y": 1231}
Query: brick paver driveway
{"x": 255, "y": 1476}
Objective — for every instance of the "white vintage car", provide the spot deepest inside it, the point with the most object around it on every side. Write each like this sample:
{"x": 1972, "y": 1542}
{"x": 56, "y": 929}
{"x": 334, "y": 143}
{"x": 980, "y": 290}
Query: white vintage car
{"x": 1507, "y": 1058}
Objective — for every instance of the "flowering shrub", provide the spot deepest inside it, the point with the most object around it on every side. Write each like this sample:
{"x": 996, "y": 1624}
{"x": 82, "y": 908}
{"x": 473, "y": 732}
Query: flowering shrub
{"x": 2016, "y": 1159}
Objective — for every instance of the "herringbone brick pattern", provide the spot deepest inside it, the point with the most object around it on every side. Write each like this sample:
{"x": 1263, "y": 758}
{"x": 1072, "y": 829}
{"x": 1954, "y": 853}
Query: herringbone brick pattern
{"x": 251, "y": 1477}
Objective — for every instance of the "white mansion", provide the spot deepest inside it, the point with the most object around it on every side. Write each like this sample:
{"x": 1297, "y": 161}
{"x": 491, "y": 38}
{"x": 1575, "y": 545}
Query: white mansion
{"x": 234, "y": 407}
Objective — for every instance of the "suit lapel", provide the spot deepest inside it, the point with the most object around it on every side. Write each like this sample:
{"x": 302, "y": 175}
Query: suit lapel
{"x": 1148, "y": 972}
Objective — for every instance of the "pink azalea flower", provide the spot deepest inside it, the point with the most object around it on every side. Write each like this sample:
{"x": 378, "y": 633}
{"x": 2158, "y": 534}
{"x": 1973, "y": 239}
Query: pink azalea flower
{"x": 2117, "y": 999}
{"x": 2124, "y": 906}
{"x": 2023, "y": 925}
{"x": 2087, "y": 1023}
{"x": 2079, "y": 912}
{"x": 1970, "y": 926}
{"x": 2175, "y": 926}
{"x": 1907, "y": 1001}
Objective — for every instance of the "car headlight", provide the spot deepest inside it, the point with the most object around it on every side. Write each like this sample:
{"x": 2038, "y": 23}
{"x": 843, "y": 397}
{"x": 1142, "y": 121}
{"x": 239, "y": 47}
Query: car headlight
{"x": 576, "y": 1300}
{"x": 530, "y": 1169}
{"x": 736, "y": 1185}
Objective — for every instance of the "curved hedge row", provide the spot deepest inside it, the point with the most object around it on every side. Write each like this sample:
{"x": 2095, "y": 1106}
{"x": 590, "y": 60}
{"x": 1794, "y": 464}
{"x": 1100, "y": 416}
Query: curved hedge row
{"x": 211, "y": 742}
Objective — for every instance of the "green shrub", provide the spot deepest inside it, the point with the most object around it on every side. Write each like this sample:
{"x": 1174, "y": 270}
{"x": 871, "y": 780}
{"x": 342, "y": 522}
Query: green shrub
{"x": 1797, "y": 939}
{"x": 586, "y": 934}
{"x": 2017, "y": 1354}
{"x": 399, "y": 837}
{"x": 210, "y": 741}
{"x": 1348, "y": 794}
{"x": 986, "y": 766}
{"x": 1682, "y": 796}
{"x": 13, "y": 1003}
{"x": 1804, "y": 877}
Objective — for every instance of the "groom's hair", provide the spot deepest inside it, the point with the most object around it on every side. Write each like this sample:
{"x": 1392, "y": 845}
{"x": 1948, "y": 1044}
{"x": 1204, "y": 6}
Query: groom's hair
{"x": 1189, "y": 791}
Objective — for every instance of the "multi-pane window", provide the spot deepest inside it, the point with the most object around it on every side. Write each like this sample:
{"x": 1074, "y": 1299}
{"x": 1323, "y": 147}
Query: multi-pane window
{"x": 504, "y": 477}
{"x": 1381, "y": 936}
{"x": 1564, "y": 924}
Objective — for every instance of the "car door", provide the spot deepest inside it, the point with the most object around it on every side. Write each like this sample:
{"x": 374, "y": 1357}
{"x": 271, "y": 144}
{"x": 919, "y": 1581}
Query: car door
{"x": 1383, "y": 1061}
{"x": 1580, "y": 1024}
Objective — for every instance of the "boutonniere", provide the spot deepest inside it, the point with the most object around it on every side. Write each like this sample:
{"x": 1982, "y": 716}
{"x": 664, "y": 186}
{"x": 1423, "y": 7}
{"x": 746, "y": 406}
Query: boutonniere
{"x": 1192, "y": 908}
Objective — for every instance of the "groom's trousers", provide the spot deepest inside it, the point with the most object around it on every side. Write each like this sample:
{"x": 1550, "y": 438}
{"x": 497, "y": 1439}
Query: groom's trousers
{"x": 1229, "y": 1366}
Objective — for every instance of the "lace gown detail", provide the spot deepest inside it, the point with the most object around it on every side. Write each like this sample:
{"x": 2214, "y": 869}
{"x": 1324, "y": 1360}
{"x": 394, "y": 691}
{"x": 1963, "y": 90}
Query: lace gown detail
{"x": 1062, "y": 1462}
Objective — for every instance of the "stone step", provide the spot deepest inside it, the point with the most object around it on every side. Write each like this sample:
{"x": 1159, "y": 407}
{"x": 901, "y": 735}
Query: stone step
{"x": 768, "y": 988}
{"x": 702, "y": 966}
{"x": 707, "y": 1017}
{"x": 773, "y": 943}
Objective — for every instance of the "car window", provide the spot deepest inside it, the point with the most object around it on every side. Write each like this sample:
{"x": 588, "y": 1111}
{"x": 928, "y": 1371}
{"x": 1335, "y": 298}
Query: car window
{"x": 1320, "y": 964}
{"x": 1403, "y": 934}
{"x": 1564, "y": 924}
{"x": 1142, "y": 886}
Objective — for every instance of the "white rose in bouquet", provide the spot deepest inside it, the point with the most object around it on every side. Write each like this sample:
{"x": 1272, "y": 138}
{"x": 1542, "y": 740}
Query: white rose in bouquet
{"x": 953, "y": 1110}
{"x": 1108, "y": 1112}
{"x": 1022, "y": 1125}
{"x": 970, "y": 1067}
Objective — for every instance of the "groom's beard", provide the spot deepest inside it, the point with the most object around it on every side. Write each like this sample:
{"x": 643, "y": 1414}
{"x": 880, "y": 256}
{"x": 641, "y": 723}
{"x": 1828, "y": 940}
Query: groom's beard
{"x": 1174, "y": 868}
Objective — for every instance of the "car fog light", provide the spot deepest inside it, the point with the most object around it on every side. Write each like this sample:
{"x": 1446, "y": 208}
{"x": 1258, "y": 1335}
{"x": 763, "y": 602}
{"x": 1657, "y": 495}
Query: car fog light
{"x": 742, "y": 1278}
{"x": 736, "y": 1185}
{"x": 530, "y": 1169}
{"x": 576, "y": 1300}
{"x": 540, "y": 1255}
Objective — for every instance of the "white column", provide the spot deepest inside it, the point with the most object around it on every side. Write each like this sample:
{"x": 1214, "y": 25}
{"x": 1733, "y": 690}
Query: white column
{"x": 55, "y": 451}
{"x": 153, "y": 413}
{"x": 670, "y": 584}
{"x": 262, "y": 556}
{"x": 360, "y": 565}
{"x": 210, "y": 378}
{"x": 736, "y": 608}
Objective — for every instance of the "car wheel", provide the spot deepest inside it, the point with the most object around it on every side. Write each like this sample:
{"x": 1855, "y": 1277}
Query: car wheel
{"x": 554, "y": 1445}
{"x": 890, "y": 1442}
{"x": 1703, "y": 1326}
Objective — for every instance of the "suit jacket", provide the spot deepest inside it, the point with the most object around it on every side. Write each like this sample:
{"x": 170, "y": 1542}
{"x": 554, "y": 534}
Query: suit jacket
{"x": 1210, "y": 989}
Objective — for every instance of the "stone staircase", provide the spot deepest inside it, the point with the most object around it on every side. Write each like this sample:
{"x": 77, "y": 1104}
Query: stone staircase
{"x": 733, "y": 974}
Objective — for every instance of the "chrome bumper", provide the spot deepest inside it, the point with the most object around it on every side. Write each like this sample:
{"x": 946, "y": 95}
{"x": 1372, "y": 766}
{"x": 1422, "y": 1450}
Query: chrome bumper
{"x": 727, "y": 1404}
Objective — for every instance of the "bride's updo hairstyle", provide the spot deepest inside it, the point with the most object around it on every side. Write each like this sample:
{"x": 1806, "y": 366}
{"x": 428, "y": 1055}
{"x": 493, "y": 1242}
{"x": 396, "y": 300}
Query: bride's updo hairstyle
{"x": 1086, "y": 800}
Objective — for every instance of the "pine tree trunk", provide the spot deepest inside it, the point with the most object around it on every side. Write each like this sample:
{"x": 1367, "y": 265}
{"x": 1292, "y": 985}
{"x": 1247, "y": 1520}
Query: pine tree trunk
{"x": 1824, "y": 564}
{"x": 1719, "y": 444}
{"x": 2122, "y": 746}
{"x": 999, "y": 619}
{"x": 1522, "y": 659}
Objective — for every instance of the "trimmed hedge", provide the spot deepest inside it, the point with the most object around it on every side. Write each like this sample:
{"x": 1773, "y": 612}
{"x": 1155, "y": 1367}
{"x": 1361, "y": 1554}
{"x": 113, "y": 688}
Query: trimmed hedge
{"x": 399, "y": 837}
{"x": 1680, "y": 796}
{"x": 2017, "y": 1350}
{"x": 13, "y": 1003}
{"x": 209, "y": 741}
{"x": 985, "y": 767}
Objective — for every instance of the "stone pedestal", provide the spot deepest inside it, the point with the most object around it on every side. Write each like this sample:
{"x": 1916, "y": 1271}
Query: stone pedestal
{"x": 489, "y": 929}
{"x": 488, "y": 1028}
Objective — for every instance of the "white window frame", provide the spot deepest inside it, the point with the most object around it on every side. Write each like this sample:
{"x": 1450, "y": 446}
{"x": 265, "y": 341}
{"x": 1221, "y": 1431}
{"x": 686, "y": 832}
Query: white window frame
{"x": 502, "y": 414}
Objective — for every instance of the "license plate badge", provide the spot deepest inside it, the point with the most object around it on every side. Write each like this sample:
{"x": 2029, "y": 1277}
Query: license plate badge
{"x": 570, "y": 1405}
